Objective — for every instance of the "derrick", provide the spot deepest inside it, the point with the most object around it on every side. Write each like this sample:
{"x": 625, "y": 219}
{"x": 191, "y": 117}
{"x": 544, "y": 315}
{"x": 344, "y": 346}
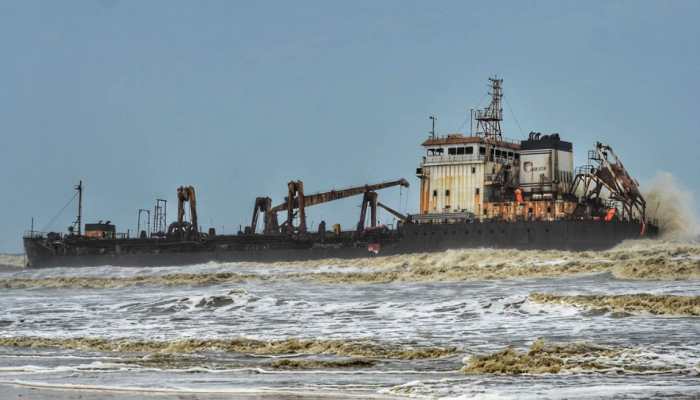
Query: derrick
{"x": 297, "y": 201}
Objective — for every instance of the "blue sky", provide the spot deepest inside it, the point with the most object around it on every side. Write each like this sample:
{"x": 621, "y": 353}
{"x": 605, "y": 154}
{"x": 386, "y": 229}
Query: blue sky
{"x": 236, "y": 98}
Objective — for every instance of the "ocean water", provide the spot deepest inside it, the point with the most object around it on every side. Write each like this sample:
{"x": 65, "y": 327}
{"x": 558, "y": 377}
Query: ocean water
{"x": 458, "y": 325}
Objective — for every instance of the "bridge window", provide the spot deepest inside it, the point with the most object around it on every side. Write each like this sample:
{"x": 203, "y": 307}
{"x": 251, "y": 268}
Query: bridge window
{"x": 469, "y": 150}
{"x": 482, "y": 150}
{"x": 452, "y": 151}
{"x": 460, "y": 150}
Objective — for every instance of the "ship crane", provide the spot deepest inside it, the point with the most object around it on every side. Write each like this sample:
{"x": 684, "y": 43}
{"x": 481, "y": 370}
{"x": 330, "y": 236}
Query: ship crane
{"x": 605, "y": 170}
{"x": 297, "y": 200}
{"x": 185, "y": 229}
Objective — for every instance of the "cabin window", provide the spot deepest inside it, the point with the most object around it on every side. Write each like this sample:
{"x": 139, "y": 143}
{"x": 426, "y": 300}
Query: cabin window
{"x": 477, "y": 191}
{"x": 482, "y": 150}
{"x": 452, "y": 151}
{"x": 447, "y": 193}
{"x": 469, "y": 150}
{"x": 473, "y": 170}
{"x": 460, "y": 150}
{"x": 434, "y": 193}
{"x": 517, "y": 156}
{"x": 498, "y": 153}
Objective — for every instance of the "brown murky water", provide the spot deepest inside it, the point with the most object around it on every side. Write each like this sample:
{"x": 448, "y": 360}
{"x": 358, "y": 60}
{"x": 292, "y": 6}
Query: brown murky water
{"x": 459, "y": 324}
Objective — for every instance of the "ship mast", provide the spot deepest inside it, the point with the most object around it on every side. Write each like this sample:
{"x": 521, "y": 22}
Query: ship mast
{"x": 79, "y": 219}
{"x": 488, "y": 120}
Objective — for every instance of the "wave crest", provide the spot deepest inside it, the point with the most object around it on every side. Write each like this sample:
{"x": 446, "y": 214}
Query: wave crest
{"x": 349, "y": 348}
{"x": 627, "y": 303}
{"x": 554, "y": 358}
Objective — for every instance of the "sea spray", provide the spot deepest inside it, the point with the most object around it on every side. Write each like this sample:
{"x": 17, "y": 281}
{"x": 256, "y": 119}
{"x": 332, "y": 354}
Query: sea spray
{"x": 672, "y": 207}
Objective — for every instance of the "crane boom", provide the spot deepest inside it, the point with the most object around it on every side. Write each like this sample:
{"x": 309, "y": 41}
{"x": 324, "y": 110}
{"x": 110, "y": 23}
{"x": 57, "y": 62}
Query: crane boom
{"x": 393, "y": 212}
{"x": 324, "y": 197}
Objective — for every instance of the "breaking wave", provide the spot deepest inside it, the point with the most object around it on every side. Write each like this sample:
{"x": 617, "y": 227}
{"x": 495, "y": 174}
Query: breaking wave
{"x": 627, "y": 303}
{"x": 635, "y": 260}
{"x": 347, "y": 348}
{"x": 554, "y": 358}
{"x": 12, "y": 260}
{"x": 290, "y": 363}
{"x": 96, "y": 282}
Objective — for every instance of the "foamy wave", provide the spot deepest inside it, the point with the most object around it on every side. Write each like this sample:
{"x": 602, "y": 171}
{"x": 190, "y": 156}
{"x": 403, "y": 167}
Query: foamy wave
{"x": 627, "y": 303}
{"x": 554, "y": 358}
{"x": 12, "y": 260}
{"x": 349, "y": 348}
{"x": 636, "y": 259}
{"x": 95, "y": 282}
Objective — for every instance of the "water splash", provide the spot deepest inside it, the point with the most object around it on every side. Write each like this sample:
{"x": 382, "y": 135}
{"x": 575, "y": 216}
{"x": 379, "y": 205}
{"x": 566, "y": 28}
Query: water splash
{"x": 672, "y": 206}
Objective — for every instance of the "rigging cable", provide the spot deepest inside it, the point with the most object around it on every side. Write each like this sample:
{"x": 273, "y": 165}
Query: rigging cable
{"x": 478, "y": 105}
{"x": 513, "y": 114}
{"x": 59, "y": 213}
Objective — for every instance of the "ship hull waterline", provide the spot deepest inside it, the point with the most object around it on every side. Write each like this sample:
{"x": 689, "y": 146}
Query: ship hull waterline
{"x": 411, "y": 238}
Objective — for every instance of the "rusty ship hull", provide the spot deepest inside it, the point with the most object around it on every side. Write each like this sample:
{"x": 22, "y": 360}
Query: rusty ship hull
{"x": 411, "y": 238}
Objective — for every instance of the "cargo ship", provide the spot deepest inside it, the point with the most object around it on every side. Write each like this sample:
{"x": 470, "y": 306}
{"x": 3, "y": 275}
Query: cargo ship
{"x": 477, "y": 189}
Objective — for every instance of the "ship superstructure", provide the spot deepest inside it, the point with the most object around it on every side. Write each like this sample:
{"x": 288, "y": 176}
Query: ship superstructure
{"x": 482, "y": 176}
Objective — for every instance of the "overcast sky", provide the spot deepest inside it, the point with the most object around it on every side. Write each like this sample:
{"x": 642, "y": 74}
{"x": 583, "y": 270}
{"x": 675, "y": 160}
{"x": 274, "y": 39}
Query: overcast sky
{"x": 237, "y": 98}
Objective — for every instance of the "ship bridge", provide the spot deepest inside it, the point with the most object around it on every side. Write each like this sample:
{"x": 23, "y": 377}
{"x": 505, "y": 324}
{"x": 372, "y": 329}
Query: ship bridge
{"x": 456, "y": 168}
